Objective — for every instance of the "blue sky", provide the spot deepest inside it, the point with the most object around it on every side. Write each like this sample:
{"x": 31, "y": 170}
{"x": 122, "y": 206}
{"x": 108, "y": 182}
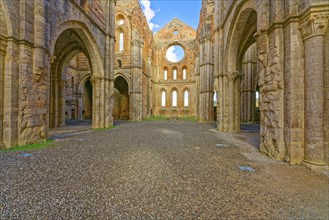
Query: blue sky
{"x": 160, "y": 12}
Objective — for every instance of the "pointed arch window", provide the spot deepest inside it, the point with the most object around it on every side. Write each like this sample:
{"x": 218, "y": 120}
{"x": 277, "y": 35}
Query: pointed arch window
{"x": 163, "y": 98}
{"x": 184, "y": 74}
{"x": 121, "y": 42}
{"x": 165, "y": 74}
{"x": 215, "y": 98}
{"x": 174, "y": 98}
{"x": 175, "y": 74}
{"x": 186, "y": 97}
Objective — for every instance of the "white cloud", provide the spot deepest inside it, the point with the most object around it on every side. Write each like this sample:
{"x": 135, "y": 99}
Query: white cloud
{"x": 171, "y": 55}
{"x": 149, "y": 13}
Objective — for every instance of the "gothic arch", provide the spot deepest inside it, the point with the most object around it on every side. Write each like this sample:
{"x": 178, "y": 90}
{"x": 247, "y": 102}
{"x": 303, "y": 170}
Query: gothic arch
{"x": 174, "y": 97}
{"x": 73, "y": 38}
{"x": 237, "y": 42}
{"x": 125, "y": 29}
{"x": 122, "y": 105}
{"x": 125, "y": 78}
{"x": 240, "y": 37}
{"x": 163, "y": 97}
{"x": 89, "y": 44}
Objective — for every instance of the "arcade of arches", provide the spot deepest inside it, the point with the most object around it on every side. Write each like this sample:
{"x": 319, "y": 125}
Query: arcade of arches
{"x": 265, "y": 62}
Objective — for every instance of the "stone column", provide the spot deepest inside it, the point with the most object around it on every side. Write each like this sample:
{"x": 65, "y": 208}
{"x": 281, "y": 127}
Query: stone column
{"x": 233, "y": 88}
{"x": 96, "y": 101}
{"x": 136, "y": 90}
{"x": 313, "y": 29}
{"x": 41, "y": 68}
{"x": 61, "y": 103}
{"x": 248, "y": 86}
{"x": 206, "y": 107}
{"x": 79, "y": 105}
{"x": 149, "y": 84}
{"x": 197, "y": 86}
{"x": 109, "y": 62}
{"x": 2, "y": 72}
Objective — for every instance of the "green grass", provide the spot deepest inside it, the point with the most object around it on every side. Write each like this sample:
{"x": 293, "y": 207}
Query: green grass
{"x": 156, "y": 118}
{"x": 163, "y": 118}
{"x": 104, "y": 129}
{"x": 29, "y": 147}
{"x": 189, "y": 118}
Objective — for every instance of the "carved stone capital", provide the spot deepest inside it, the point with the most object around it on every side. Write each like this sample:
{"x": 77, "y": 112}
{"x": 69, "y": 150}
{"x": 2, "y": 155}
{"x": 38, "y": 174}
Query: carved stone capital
{"x": 52, "y": 59}
{"x": 315, "y": 24}
{"x": 137, "y": 43}
{"x": 95, "y": 80}
{"x": 233, "y": 75}
{"x": 39, "y": 74}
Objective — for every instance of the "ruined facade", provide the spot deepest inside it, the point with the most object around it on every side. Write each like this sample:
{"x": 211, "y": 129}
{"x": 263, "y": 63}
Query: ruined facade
{"x": 174, "y": 81}
{"x": 39, "y": 39}
{"x": 265, "y": 62}
{"x": 290, "y": 72}
{"x": 133, "y": 62}
{"x": 204, "y": 62}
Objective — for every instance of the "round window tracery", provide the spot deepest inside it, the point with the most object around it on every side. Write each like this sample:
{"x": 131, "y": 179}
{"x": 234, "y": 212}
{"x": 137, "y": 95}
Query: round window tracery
{"x": 120, "y": 20}
{"x": 175, "y": 53}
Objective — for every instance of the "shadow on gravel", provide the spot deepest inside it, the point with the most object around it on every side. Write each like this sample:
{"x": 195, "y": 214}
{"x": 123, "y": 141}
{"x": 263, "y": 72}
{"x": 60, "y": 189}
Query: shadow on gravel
{"x": 250, "y": 134}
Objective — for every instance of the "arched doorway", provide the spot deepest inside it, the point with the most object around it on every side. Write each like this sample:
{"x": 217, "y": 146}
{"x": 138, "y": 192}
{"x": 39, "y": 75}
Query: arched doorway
{"x": 87, "y": 100}
{"x": 240, "y": 38}
{"x": 121, "y": 99}
{"x": 71, "y": 51}
{"x": 78, "y": 90}
{"x": 249, "y": 87}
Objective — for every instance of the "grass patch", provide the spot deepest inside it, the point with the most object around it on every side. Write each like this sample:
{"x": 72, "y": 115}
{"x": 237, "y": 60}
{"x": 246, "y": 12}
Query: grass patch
{"x": 190, "y": 118}
{"x": 28, "y": 147}
{"x": 163, "y": 118}
{"x": 104, "y": 129}
{"x": 156, "y": 118}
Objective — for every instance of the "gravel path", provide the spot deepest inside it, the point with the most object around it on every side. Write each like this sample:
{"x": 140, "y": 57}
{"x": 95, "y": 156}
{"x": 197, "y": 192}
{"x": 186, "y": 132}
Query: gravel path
{"x": 156, "y": 170}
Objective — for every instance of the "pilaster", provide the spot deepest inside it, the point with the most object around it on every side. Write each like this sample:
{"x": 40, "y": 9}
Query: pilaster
{"x": 313, "y": 29}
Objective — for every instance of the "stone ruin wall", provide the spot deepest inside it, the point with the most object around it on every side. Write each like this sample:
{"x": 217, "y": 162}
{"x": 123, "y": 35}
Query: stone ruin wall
{"x": 28, "y": 60}
{"x": 136, "y": 59}
{"x": 163, "y": 40}
{"x": 285, "y": 86}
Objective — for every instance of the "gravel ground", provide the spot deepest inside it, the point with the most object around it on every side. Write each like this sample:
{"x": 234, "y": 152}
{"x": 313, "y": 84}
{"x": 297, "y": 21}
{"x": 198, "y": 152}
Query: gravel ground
{"x": 156, "y": 170}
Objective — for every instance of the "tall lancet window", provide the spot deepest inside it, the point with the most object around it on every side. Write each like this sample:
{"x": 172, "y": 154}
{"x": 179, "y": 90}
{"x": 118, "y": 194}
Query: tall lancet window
{"x": 175, "y": 74}
{"x": 121, "y": 42}
{"x": 174, "y": 98}
{"x": 165, "y": 75}
{"x": 163, "y": 98}
{"x": 184, "y": 74}
{"x": 186, "y": 98}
